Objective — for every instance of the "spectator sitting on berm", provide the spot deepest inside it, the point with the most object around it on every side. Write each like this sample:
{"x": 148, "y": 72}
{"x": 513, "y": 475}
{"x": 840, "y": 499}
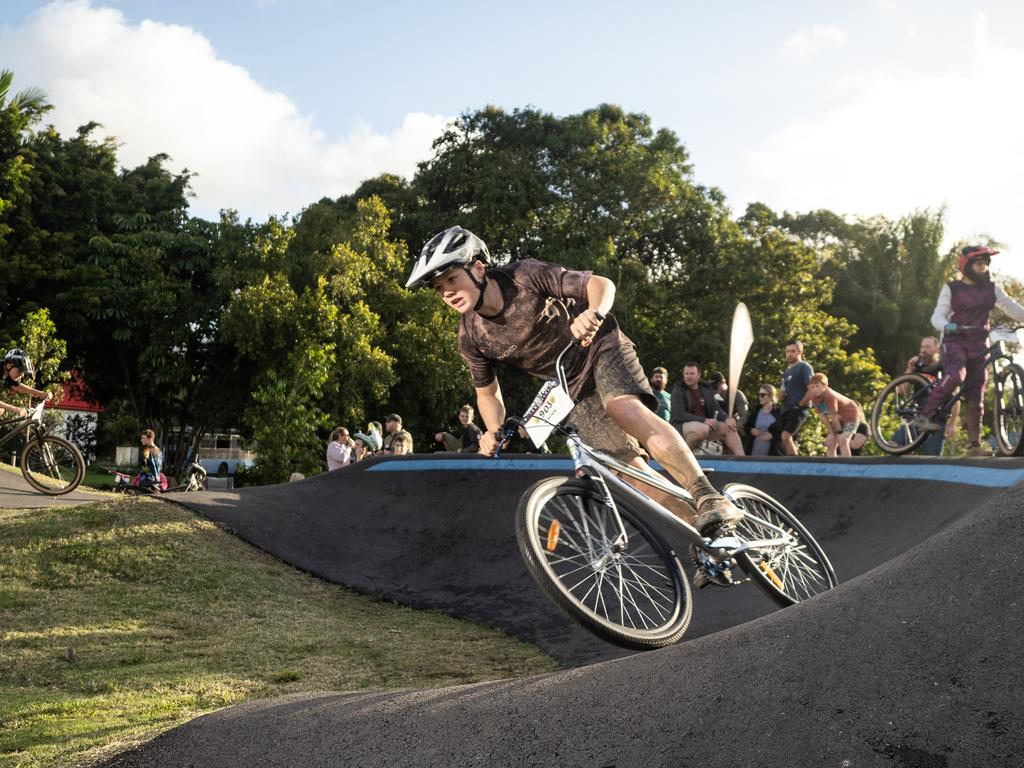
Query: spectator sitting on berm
{"x": 468, "y": 438}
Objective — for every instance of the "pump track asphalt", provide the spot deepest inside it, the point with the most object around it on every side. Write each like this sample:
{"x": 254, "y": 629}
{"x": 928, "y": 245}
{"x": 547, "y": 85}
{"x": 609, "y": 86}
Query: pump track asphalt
{"x": 916, "y": 660}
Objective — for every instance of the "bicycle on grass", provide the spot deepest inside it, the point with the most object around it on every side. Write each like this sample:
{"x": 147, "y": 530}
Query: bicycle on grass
{"x": 131, "y": 485}
{"x": 50, "y": 464}
{"x": 904, "y": 397}
{"x": 589, "y": 542}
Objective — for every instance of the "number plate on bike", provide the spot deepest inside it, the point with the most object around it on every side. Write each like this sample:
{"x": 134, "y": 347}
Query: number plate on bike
{"x": 547, "y": 411}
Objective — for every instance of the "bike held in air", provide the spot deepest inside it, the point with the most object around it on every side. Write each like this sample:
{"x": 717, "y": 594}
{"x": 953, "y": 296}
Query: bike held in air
{"x": 902, "y": 400}
{"x": 50, "y": 464}
{"x": 589, "y": 540}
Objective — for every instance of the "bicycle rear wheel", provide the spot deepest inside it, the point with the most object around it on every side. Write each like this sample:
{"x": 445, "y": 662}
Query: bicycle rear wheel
{"x": 895, "y": 409}
{"x": 1008, "y": 414}
{"x": 788, "y": 573}
{"x": 637, "y": 597}
{"x": 52, "y": 465}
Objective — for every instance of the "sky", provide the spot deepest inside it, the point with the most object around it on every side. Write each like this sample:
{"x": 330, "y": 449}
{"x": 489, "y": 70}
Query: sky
{"x": 863, "y": 107}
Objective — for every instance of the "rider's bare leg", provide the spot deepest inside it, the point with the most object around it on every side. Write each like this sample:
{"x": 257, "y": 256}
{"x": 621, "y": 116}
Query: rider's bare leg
{"x": 678, "y": 507}
{"x": 665, "y": 444}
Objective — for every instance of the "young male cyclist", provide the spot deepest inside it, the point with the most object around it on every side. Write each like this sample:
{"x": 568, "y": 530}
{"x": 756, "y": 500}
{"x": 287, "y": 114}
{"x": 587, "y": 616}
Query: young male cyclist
{"x": 524, "y": 314}
{"x": 962, "y": 313}
{"x": 16, "y": 366}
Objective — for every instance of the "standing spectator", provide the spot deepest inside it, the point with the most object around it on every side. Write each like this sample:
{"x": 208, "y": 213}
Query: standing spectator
{"x": 339, "y": 450}
{"x": 840, "y": 415}
{"x": 392, "y": 425}
{"x": 659, "y": 383}
{"x": 762, "y": 425}
{"x": 794, "y": 390}
{"x": 376, "y": 431}
{"x": 721, "y": 389}
{"x": 963, "y": 313}
{"x": 468, "y": 438}
{"x": 697, "y": 416}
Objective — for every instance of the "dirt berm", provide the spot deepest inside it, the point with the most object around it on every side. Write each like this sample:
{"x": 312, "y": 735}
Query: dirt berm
{"x": 915, "y": 660}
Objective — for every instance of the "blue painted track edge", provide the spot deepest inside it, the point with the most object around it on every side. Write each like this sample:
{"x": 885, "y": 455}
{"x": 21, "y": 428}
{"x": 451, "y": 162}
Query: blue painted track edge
{"x": 991, "y": 477}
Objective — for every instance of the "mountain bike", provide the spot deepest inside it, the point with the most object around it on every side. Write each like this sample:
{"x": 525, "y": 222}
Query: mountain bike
{"x": 903, "y": 399}
{"x": 590, "y": 541}
{"x": 50, "y": 464}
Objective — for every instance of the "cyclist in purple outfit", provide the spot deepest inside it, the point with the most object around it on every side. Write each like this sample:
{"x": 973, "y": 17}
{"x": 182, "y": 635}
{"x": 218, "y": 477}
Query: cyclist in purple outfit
{"x": 963, "y": 314}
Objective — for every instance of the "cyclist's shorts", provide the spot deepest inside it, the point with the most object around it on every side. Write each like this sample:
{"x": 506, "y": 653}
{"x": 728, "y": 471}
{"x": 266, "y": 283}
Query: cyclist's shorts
{"x": 617, "y": 371}
{"x": 853, "y": 427}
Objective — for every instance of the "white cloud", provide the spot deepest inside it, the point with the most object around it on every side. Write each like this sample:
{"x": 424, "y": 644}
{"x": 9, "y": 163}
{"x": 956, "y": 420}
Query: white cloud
{"x": 161, "y": 88}
{"x": 906, "y": 141}
{"x": 810, "y": 40}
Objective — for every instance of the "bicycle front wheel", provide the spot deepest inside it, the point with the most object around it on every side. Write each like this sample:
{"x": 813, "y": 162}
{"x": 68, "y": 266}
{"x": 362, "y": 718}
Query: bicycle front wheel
{"x": 791, "y": 572}
{"x": 635, "y": 596}
{"x": 52, "y": 465}
{"x": 1008, "y": 415}
{"x": 895, "y": 409}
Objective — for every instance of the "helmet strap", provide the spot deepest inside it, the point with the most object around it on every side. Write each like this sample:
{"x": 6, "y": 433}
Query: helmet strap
{"x": 481, "y": 284}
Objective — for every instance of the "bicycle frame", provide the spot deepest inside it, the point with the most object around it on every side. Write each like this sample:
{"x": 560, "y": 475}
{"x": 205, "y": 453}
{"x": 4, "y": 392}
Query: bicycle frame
{"x": 590, "y": 461}
{"x": 20, "y": 424}
{"x": 594, "y": 463}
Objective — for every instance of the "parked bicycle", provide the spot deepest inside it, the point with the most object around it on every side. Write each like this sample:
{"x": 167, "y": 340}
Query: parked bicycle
{"x": 590, "y": 542}
{"x": 904, "y": 397}
{"x": 50, "y": 464}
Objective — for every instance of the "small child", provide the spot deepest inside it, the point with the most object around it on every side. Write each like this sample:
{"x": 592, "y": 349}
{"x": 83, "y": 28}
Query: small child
{"x": 840, "y": 415}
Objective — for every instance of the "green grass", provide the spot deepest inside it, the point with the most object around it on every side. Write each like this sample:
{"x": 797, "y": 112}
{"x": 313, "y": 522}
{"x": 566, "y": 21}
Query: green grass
{"x": 121, "y": 619}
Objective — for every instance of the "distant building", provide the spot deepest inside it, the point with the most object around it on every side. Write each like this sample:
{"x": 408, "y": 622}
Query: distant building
{"x": 76, "y": 415}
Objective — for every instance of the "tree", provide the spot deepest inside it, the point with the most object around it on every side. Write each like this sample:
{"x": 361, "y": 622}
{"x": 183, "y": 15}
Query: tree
{"x": 18, "y": 112}
{"x": 888, "y": 274}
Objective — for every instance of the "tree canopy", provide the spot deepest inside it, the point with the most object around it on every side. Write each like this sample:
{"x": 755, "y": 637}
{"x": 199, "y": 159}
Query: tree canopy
{"x": 286, "y": 328}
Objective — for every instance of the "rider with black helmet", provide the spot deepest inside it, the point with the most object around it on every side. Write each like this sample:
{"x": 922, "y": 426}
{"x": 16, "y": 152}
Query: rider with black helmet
{"x": 523, "y": 314}
{"x": 962, "y": 313}
{"x": 17, "y": 365}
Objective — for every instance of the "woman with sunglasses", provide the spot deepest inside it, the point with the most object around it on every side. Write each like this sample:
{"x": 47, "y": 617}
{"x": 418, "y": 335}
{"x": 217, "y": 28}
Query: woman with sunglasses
{"x": 762, "y": 425}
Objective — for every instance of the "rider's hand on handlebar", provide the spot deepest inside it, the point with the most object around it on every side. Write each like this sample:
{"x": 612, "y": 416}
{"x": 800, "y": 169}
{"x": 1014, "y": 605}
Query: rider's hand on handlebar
{"x": 586, "y": 325}
{"x": 488, "y": 443}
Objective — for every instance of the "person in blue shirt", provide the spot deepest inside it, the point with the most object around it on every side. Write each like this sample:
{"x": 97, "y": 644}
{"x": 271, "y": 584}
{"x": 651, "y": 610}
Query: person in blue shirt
{"x": 794, "y": 389}
{"x": 659, "y": 383}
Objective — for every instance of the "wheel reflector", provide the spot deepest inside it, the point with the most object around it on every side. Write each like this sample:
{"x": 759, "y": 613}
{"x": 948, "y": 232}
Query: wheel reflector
{"x": 553, "y": 531}
{"x": 767, "y": 570}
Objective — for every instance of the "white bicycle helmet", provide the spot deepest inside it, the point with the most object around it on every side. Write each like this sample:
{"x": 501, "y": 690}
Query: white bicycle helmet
{"x": 454, "y": 247}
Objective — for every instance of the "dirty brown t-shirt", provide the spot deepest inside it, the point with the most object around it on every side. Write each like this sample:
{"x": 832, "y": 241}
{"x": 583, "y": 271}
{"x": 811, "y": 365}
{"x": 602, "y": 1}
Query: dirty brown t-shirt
{"x": 540, "y": 302}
